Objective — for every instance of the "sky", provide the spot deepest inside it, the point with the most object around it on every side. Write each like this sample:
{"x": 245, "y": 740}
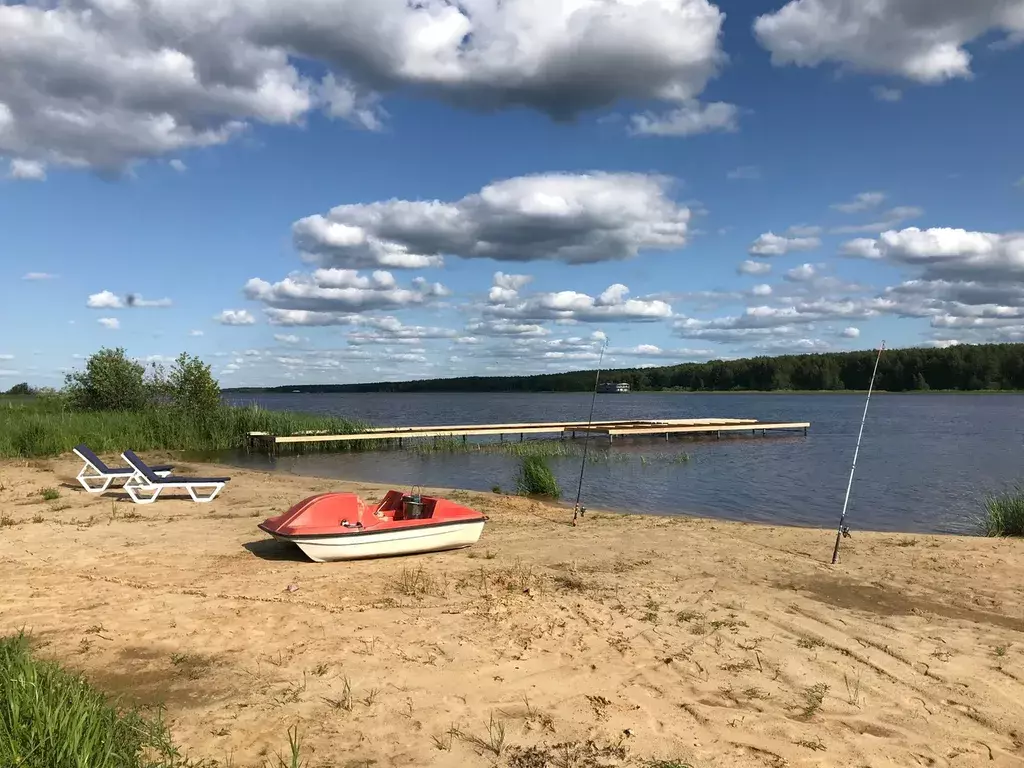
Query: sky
{"x": 335, "y": 191}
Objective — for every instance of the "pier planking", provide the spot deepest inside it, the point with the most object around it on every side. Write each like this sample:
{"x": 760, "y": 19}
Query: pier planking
{"x": 612, "y": 429}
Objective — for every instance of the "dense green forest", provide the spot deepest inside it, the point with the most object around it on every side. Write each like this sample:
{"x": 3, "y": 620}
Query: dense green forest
{"x": 964, "y": 368}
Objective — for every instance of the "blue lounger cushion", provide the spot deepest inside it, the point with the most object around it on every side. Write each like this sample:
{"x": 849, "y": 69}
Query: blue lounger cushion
{"x": 87, "y": 453}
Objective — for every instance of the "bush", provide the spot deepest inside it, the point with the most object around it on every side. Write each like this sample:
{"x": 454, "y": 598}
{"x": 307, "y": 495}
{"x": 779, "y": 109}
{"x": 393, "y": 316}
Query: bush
{"x": 192, "y": 387}
{"x": 20, "y": 389}
{"x": 110, "y": 382}
{"x": 536, "y": 478}
{"x": 1005, "y": 514}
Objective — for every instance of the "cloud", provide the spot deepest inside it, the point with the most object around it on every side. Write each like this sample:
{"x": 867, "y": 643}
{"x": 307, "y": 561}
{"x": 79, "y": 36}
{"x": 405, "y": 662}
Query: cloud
{"x": 921, "y": 41}
{"x": 38, "y": 276}
{"x": 25, "y": 170}
{"x": 390, "y": 330}
{"x": 861, "y": 202}
{"x": 7, "y": 372}
{"x": 744, "y": 172}
{"x": 689, "y": 119}
{"x": 770, "y": 244}
{"x": 104, "y": 300}
{"x": 803, "y": 230}
{"x": 944, "y": 252}
{"x": 136, "y": 80}
{"x": 178, "y": 165}
{"x": 801, "y": 274}
{"x": 109, "y": 300}
{"x": 761, "y": 290}
{"x": 572, "y": 218}
{"x": 111, "y": 323}
{"x": 766, "y": 321}
{"x": 136, "y": 300}
{"x": 851, "y": 333}
{"x": 235, "y": 317}
{"x": 340, "y": 291}
{"x": 195, "y": 333}
{"x": 6, "y": 357}
{"x": 750, "y": 267}
{"x": 612, "y": 304}
{"x": 882, "y": 93}
{"x": 890, "y": 219}
{"x": 287, "y": 338}
{"x": 1019, "y": 183}
{"x": 506, "y": 328}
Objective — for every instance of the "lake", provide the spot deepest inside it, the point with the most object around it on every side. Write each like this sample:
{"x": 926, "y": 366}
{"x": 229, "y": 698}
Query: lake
{"x": 926, "y": 461}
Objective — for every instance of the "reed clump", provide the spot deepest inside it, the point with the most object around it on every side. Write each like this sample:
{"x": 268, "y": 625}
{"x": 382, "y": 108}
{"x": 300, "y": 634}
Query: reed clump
{"x": 537, "y": 479}
{"x": 1004, "y": 513}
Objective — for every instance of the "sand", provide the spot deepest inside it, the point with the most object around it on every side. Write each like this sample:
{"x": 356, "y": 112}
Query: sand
{"x": 626, "y": 640}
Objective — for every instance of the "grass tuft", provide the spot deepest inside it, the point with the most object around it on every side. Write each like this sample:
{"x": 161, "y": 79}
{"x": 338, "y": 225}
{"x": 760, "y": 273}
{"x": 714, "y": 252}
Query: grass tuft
{"x": 537, "y": 479}
{"x": 1004, "y": 513}
{"x": 49, "y": 494}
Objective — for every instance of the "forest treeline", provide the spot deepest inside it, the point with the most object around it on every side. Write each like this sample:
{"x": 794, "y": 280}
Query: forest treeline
{"x": 967, "y": 367}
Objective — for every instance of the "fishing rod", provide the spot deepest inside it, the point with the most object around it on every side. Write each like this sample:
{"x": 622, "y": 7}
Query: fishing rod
{"x": 843, "y": 530}
{"x": 578, "y": 510}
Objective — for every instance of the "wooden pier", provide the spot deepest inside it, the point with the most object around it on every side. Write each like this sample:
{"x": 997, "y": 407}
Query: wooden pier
{"x": 565, "y": 429}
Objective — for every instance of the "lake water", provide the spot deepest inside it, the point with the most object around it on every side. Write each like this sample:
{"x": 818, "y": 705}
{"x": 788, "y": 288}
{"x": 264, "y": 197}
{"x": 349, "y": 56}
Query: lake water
{"x": 926, "y": 461}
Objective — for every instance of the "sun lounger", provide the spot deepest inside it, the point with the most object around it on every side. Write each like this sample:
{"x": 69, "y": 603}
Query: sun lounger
{"x": 148, "y": 484}
{"x": 96, "y": 476}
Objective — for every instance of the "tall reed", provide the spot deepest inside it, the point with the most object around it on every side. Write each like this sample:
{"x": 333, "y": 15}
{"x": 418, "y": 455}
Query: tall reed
{"x": 537, "y": 479}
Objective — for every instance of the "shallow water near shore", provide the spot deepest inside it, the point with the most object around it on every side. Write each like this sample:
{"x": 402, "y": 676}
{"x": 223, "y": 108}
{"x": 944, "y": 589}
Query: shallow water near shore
{"x": 926, "y": 461}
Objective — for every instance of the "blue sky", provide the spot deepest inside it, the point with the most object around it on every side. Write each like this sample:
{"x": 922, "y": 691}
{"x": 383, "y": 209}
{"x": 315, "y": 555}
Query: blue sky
{"x": 358, "y": 190}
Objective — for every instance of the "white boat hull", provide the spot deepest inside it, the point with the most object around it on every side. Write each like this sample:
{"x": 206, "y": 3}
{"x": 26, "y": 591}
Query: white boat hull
{"x": 356, "y": 546}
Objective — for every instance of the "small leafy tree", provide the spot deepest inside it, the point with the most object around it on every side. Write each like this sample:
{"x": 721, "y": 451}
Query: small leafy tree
{"x": 20, "y": 389}
{"x": 192, "y": 387}
{"x": 110, "y": 382}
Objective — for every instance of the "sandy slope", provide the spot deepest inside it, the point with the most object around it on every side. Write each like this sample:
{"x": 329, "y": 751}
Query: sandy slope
{"x": 625, "y": 640}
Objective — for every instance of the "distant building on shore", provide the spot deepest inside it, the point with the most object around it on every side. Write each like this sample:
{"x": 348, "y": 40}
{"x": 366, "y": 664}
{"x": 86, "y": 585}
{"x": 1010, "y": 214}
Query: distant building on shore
{"x": 613, "y": 387}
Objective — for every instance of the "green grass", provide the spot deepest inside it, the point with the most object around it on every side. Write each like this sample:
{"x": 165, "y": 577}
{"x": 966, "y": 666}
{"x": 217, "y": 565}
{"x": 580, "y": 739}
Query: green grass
{"x": 1004, "y": 513}
{"x": 38, "y": 427}
{"x": 50, "y": 717}
{"x": 537, "y": 479}
{"x": 53, "y": 718}
{"x": 545, "y": 449}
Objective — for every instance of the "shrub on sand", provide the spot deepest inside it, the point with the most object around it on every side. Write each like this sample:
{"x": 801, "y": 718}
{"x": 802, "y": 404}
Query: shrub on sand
{"x": 536, "y": 478}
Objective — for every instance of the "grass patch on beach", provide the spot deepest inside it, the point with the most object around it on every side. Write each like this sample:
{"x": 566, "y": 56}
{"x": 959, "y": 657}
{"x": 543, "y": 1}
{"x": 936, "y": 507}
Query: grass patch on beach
{"x": 46, "y": 426}
{"x": 537, "y": 479}
{"x": 51, "y": 717}
{"x": 1004, "y": 513}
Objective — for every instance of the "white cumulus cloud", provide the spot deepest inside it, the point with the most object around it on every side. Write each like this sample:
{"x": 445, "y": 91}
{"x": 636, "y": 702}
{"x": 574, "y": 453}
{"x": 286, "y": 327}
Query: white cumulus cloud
{"x": 613, "y": 303}
{"x": 112, "y": 323}
{"x": 861, "y": 202}
{"x": 572, "y": 218}
{"x": 688, "y": 119}
{"x": 770, "y": 244}
{"x": 750, "y": 267}
{"x": 235, "y": 317}
{"x": 104, "y": 300}
{"x": 851, "y": 333}
{"x": 921, "y": 40}
{"x": 26, "y": 170}
{"x": 114, "y": 81}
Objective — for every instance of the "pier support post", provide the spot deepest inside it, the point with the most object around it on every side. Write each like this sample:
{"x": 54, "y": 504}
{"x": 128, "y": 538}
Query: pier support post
{"x": 520, "y": 437}
{"x": 463, "y": 439}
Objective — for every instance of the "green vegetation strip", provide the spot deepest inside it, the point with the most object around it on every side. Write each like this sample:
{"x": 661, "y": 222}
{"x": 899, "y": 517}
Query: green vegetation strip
{"x": 46, "y": 426}
{"x": 53, "y": 718}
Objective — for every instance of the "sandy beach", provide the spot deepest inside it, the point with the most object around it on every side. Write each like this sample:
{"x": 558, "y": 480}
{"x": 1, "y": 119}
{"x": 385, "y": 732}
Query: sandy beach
{"x": 625, "y": 641}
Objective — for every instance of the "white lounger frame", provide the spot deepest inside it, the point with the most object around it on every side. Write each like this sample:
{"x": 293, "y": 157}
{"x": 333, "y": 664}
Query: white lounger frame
{"x": 144, "y": 492}
{"x": 90, "y": 474}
